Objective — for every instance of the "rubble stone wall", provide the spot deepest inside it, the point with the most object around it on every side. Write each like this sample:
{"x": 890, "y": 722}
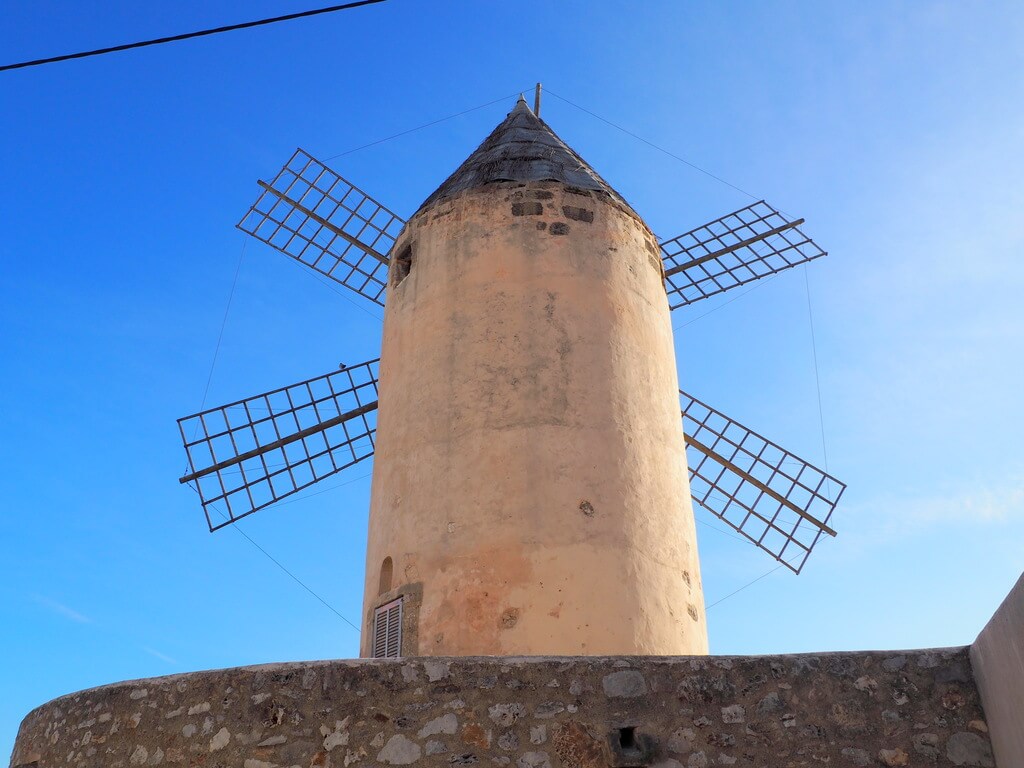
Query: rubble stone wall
{"x": 913, "y": 708}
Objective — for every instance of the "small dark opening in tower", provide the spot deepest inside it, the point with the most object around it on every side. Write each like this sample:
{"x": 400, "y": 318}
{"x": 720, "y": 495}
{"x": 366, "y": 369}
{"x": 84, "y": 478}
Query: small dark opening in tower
{"x": 387, "y": 569}
{"x": 627, "y": 739}
{"x": 402, "y": 264}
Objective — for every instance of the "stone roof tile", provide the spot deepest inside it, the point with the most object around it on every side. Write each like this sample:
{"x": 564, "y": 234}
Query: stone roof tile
{"x": 522, "y": 148}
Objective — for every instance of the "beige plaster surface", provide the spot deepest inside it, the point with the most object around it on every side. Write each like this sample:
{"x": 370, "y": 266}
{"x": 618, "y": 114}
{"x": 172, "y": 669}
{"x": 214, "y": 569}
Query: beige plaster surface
{"x": 997, "y": 658}
{"x": 530, "y": 471}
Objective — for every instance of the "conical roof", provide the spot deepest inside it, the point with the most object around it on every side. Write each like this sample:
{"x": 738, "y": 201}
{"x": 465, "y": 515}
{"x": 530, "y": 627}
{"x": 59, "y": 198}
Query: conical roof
{"x": 522, "y": 148}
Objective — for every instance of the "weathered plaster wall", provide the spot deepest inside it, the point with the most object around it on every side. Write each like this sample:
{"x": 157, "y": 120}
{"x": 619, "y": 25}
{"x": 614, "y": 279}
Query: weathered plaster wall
{"x": 997, "y": 657}
{"x": 529, "y": 452}
{"x": 913, "y": 708}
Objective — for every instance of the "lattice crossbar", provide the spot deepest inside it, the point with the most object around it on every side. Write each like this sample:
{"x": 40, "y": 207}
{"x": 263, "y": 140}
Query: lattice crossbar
{"x": 743, "y": 246}
{"x": 246, "y": 455}
{"x": 313, "y": 215}
{"x": 772, "y": 497}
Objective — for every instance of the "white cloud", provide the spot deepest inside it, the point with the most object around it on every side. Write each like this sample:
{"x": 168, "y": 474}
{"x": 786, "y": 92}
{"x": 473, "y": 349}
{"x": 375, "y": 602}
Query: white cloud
{"x": 889, "y": 517}
{"x": 161, "y": 656}
{"x": 63, "y": 610}
{"x": 977, "y": 506}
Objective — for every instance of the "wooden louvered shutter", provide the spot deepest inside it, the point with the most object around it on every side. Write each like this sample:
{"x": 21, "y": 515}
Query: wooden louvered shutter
{"x": 387, "y": 631}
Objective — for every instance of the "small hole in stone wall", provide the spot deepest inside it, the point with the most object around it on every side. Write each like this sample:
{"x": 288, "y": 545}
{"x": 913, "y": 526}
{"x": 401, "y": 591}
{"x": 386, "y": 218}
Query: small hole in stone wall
{"x": 627, "y": 739}
{"x": 402, "y": 264}
{"x": 629, "y": 749}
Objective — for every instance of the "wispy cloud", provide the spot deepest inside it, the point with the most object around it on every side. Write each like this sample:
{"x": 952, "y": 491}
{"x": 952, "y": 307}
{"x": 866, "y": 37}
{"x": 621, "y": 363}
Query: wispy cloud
{"x": 982, "y": 505}
{"x": 70, "y": 613}
{"x": 161, "y": 656}
{"x": 891, "y": 518}
{"x": 62, "y": 610}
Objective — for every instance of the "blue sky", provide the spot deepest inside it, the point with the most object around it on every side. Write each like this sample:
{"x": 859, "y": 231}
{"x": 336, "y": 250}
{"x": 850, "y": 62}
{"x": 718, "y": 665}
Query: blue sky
{"x": 895, "y": 129}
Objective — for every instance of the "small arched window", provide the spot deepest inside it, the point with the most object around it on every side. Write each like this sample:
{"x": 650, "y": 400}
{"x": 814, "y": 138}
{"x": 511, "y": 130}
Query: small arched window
{"x": 387, "y": 569}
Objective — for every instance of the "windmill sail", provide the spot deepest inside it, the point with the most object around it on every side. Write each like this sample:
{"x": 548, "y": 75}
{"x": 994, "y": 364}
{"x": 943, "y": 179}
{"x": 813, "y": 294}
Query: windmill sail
{"x": 739, "y": 248}
{"x": 775, "y": 499}
{"x": 312, "y": 214}
{"x": 249, "y": 454}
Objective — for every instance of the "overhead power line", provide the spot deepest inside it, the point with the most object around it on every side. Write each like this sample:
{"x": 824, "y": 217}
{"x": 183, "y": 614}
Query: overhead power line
{"x": 421, "y": 127}
{"x": 748, "y": 584}
{"x": 628, "y": 132}
{"x": 189, "y": 35}
{"x": 297, "y": 580}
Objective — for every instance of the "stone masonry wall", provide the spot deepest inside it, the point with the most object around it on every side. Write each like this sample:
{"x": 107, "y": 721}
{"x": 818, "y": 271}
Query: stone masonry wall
{"x": 914, "y": 708}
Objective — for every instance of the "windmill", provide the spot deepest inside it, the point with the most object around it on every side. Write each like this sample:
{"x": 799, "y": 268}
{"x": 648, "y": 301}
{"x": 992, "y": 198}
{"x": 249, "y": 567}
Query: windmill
{"x": 535, "y": 459}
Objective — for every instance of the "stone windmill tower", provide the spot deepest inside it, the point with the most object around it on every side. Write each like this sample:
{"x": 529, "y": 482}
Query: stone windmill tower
{"x": 531, "y": 491}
